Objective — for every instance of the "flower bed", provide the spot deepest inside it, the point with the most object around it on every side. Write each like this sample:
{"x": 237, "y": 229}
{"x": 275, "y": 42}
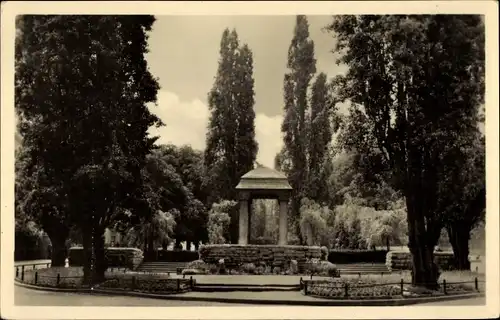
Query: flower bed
{"x": 59, "y": 277}
{"x": 370, "y": 288}
{"x": 148, "y": 284}
{"x": 310, "y": 267}
{"x": 127, "y": 280}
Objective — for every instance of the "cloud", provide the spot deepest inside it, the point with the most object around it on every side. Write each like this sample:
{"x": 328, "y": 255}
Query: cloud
{"x": 186, "y": 123}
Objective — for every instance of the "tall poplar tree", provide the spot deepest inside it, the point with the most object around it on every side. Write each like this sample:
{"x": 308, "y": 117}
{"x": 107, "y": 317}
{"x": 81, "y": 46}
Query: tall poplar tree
{"x": 417, "y": 83}
{"x": 231, "y": 147}
{"x": 301, "y": 66}
{"x": 322, "y": 124}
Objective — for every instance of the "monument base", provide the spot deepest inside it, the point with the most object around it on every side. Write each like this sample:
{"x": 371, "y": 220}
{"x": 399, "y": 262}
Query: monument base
{"x": 270, "y": 255}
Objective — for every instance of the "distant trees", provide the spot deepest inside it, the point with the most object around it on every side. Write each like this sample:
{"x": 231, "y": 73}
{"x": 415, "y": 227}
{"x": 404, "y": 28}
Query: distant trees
{"x": 416, "y": 82}
{"x": 231, "y": 147}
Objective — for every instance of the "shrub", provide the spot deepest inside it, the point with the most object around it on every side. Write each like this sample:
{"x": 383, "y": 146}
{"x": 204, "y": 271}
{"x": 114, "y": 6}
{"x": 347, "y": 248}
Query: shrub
{"x": 248, "y": 268}
{"x": 261, "y": 270}
{"x": 213, "y": 268}
{"x": 267, "y": 270}
{"x": 197, "y": 264}
{"x": 276, "y": 270}
{"x": 193, "y": 271}
{"x": 321, "y": 267}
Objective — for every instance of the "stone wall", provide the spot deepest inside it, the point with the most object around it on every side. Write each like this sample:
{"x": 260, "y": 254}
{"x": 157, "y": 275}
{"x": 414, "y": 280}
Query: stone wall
{"x": 271, "y": 255}
{"x": 402, "y": 260}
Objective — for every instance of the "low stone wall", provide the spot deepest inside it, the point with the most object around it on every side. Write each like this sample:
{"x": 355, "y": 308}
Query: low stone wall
{"x": 270, "y": 255}
{"x": 402, "y": 260}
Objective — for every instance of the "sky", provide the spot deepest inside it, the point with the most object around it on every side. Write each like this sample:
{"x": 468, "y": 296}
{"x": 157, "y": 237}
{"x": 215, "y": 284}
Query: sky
{"x": 184, "y": 54}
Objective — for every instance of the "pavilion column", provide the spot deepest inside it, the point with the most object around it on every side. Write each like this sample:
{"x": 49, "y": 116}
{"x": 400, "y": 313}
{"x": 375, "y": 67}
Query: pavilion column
{"x": 283, "y": 222}
{"x": 243, "y": 227}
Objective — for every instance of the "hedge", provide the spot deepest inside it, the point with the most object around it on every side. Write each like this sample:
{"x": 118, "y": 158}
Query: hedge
{"x": 402, "y": 260}
{"x": 116, "y": 257}
{"x": 357, "y": 256}
{"x": 176, "y": 256}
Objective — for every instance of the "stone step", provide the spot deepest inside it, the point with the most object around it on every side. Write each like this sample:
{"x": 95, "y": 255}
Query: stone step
{"x": 244, "y": 288}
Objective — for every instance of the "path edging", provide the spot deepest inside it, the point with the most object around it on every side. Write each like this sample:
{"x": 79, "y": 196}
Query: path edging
{"x": 319, "y": 302}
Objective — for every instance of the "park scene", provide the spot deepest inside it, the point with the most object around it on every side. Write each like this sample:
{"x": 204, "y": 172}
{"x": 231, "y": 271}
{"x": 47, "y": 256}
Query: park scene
{"x": 287, "y": 160}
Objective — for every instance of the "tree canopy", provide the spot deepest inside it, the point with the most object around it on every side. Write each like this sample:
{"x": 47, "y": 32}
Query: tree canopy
{"x": 417, "y": 83}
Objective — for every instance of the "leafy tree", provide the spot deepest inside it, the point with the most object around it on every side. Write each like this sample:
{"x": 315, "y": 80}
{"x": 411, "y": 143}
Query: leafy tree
{"x": 416, "y": 82}
{"x": 82, "y": 85}
{"x": 314, "y": 222}
{"x": 462, "y": 195}
{"x": 37, "y": 199}
{"x": 153, "y": 232}
{"x": 301, "y": 66}
{"x": 231, "y": 147}
{"x": 185, "y": 168}
{"x": 218, "y": 221}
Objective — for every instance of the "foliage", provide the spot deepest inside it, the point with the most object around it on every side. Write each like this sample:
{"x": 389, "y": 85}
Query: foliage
{"x": 320, "y": 268}
{"x": 153, "y": 232}
{"x": 174, "y": 180}
{"x": 218, "y": 222}
{"x": 322, "y": 123}
{"x": 385, "y": 227}
{"x": 416, "y": 83}
{"x": 348, "y": 226}
{"x": 463, "y": 195}
{"x": 313, "y": 223}
{"x": 357, "y": 175}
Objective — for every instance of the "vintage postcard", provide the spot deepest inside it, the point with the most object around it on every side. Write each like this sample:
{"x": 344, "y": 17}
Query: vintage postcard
{"x": 253, "y": 160}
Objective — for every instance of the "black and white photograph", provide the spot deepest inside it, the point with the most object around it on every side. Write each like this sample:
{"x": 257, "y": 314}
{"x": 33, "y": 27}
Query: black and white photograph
{"x": 250, "y": 158}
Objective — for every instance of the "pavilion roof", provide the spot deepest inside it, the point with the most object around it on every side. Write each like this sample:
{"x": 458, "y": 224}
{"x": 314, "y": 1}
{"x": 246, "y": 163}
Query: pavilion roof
{"x": 265, "y": 179}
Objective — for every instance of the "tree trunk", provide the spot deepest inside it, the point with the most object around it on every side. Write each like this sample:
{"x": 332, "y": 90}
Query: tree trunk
{"x": 88, "y": 258}
{"x": 188, "y": 245}
{"x": 59, "y": 250}
{"x": 424, "y": 271}
{"x": 459, "y": 236}
{"x": 94, "y": 259}
{"x": 101, "y": 263}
